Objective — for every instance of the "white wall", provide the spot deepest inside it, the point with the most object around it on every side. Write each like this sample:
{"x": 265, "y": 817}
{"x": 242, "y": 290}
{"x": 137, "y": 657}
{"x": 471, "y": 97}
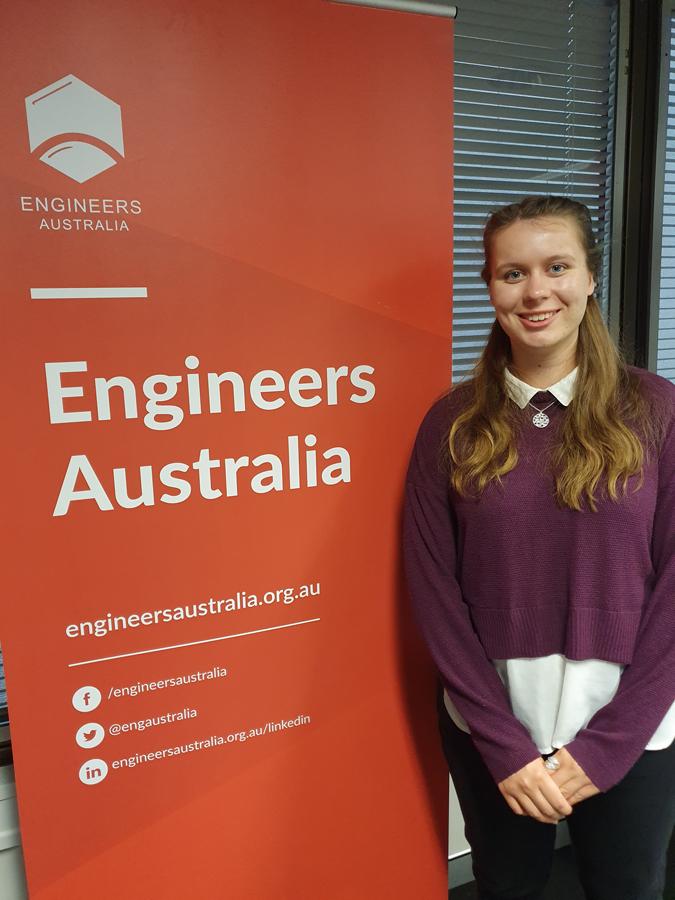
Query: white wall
{"x": 12, "y": 878}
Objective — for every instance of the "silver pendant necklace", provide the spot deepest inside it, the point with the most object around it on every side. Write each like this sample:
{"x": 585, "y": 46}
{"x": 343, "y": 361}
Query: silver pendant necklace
{"x": 540, "y": 419}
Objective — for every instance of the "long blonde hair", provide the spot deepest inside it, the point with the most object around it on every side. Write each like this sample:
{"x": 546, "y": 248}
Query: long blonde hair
{"x": 609, "y": 425}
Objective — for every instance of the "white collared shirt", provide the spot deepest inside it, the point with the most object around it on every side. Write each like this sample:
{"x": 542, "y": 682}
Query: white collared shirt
{"x": 521, "y": 393}
{"x": 555, "y": 697}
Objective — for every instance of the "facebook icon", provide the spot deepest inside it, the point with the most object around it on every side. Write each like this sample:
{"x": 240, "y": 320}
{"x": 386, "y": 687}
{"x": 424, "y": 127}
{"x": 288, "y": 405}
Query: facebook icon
{"x": 86, "y": 698}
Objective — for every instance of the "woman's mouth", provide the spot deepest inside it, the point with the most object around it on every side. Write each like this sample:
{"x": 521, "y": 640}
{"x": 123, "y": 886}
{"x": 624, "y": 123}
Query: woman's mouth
{"x": 538, "y": 320}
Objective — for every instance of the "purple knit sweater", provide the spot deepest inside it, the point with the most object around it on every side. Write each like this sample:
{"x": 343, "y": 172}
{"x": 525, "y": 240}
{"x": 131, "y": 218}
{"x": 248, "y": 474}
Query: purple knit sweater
{"x": 511, "y": 574}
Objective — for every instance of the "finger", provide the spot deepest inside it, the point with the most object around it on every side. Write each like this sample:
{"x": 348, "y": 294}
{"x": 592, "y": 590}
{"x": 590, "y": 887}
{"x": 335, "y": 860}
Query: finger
{"x": 515, "y": 806}
{"x": 584, "y": 792}
{"x": 570, "y": 788}
{"x": 543, "y": 804}
{"x": 556, "y": 797}
{"x": 554, "y": 785}
{"x": 563, "y": 779}
{"x": 534, "y": 812}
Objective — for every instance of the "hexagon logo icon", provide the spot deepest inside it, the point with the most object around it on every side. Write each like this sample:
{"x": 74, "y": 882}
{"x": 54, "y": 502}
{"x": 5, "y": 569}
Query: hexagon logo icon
{"x": 75, "y": 126}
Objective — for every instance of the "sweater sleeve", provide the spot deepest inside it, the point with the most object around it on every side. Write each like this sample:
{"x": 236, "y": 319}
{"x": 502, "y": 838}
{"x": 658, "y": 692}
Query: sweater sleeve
{"x": 429, "y": 544}
{"x": 618, "y": 733}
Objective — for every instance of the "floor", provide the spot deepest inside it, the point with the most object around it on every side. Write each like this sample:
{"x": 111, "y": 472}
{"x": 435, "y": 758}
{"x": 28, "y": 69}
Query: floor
{"x": 564, "y": 884}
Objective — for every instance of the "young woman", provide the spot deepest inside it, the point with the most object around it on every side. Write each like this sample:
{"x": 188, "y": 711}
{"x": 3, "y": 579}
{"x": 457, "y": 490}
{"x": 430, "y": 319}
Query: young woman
{"x": 540, "y": 554}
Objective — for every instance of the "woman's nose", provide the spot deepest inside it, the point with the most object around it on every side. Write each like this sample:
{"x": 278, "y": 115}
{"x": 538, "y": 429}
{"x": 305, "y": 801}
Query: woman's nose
{"x": 537, "y": 286}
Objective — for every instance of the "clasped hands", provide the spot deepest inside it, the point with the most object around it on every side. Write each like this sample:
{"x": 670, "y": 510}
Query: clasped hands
{"x": 547, "y": 795}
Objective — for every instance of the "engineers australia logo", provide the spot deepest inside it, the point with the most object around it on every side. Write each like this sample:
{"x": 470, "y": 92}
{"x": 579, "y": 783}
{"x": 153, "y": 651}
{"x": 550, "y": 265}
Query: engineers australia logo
{"x": 79, "y": 126}
{"x": 77, "y": 130}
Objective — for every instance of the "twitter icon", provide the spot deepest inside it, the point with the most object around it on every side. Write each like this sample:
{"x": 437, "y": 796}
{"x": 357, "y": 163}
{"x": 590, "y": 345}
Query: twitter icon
{"x": 90, "y": 735}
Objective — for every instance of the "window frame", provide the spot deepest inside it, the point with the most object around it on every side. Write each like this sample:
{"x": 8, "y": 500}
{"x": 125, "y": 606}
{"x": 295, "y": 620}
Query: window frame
{"x": 667, "y": 12}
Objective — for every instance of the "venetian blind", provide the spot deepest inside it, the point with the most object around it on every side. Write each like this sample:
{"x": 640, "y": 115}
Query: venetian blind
{"x": 534, "y": 114}
{"x": 665, "y": 360}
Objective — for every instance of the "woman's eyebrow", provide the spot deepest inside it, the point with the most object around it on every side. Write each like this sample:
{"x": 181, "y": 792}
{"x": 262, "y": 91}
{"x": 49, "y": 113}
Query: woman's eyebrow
{"x": 549, "y": 259}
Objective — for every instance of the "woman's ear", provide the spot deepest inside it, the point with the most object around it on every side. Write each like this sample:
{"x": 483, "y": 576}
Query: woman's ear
{"x": 591, "y": 285}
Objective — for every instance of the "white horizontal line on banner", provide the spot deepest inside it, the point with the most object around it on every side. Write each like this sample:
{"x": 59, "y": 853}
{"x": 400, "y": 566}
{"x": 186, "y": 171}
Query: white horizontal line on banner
{"x": 426, "y": 7}
{"x": 224, "y": 637}
{"x": 89, "y": 293}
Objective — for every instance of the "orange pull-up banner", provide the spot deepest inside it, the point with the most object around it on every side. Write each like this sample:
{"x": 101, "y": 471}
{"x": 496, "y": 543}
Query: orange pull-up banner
{"x": 225, "y": 289}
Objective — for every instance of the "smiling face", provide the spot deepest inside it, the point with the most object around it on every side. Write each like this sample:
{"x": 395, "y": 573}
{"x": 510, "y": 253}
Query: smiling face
{"x": 539, "y": 285}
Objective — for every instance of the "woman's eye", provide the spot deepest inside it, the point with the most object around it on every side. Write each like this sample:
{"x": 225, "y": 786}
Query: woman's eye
{"x": 513, "y": 275}
{"x": 557, "y": 268}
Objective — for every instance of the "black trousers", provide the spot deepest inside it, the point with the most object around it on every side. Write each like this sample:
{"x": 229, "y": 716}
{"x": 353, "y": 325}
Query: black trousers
{"x": 620, "y": 838}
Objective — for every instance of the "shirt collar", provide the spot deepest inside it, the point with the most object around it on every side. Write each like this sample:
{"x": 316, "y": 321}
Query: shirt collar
{"x": 521, "y": 393}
